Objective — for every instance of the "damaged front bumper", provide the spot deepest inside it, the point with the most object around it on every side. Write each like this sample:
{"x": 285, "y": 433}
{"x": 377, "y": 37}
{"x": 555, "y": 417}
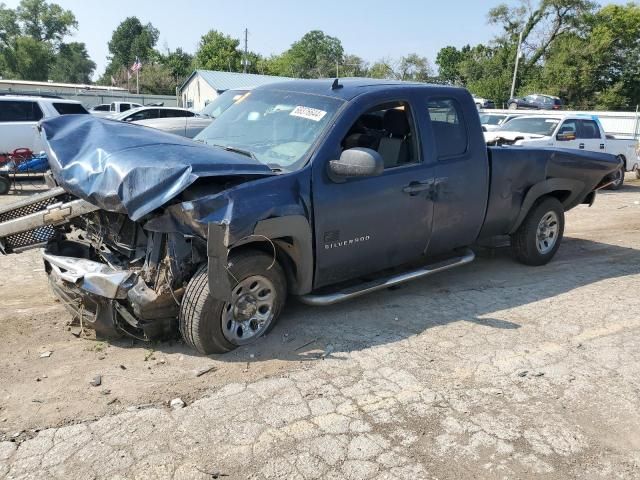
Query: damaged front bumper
{"x": 109, "y": 300}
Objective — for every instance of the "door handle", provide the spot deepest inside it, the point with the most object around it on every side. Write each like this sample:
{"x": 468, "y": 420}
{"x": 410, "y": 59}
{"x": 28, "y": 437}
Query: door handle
{"x": 602, "y": 146}
{"x": 581, "y": 146}
{"x": 414, "y": 188}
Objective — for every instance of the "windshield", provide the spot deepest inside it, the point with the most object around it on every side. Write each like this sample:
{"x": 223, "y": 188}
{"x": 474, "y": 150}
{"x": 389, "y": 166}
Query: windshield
{"x": 536, "y": 126}
{"x": 487, "y": 119}
{"x": 222, "y": 102}
{"x": 276, "y": 127}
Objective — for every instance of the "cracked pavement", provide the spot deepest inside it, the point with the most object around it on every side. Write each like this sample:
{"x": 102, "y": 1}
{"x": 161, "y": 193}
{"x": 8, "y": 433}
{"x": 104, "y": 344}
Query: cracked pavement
{"x": 494, "y": 370}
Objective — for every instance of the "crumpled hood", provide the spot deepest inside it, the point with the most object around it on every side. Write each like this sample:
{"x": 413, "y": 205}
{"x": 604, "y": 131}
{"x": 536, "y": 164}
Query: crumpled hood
{"x": 132, "y": 169}
{"x": 492, "y": 136}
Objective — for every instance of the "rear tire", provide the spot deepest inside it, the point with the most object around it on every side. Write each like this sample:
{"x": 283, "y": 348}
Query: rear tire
{"x": 538, "y": 238}
{"x": 259, "y": 291}
{"x": 5, "y": 185}
{"x": 618, "y": 180}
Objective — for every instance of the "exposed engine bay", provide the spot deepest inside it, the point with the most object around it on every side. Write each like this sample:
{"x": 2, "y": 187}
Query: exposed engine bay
{"x": 137, "y": 277}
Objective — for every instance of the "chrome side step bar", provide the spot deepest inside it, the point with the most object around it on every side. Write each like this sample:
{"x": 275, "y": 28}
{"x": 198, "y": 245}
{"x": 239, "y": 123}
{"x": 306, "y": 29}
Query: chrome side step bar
{"x": 351, "y": 292}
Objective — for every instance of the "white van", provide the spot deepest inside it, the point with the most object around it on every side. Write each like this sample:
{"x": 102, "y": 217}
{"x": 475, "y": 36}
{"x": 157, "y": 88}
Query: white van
{"x": 19, "y": 117}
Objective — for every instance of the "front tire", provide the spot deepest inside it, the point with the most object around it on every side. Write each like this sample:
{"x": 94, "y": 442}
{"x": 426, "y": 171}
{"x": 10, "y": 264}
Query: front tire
{"x": 538, "y": 238}
{"x": 513, "y": 106}
{"x": 259, "y": 290}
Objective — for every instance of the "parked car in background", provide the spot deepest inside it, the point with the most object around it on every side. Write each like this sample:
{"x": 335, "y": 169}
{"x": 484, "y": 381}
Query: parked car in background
{"x": 191, "y": 124}
{"x": 113, "y": 108}
{"x": 579, "y": 132}
{"x": 150, "y": 113}
{"x": 483, "y": 103}
{"x": 535, "y": 102}
{"x": 101, "y": 110}
{"x": 222, "y": 102}
{"x": 19, "y": 117}
{"x": 492, "y": 121}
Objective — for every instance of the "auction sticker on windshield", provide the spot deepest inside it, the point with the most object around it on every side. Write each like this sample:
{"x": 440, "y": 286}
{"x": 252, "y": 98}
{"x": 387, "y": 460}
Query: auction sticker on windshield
{"x": 308, "y": 113}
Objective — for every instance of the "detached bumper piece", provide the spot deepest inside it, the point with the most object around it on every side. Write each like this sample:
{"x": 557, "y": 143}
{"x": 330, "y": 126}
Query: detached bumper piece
{"x": 111, "y": 301}
{"x": 30, "y": 223}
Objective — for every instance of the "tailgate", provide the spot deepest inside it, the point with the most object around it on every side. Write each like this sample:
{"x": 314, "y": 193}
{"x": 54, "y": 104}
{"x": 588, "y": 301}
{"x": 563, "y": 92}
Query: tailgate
{"x": 30, "y": 223}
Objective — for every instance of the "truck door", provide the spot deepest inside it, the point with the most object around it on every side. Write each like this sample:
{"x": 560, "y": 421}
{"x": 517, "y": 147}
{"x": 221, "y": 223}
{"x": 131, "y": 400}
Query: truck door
{"x": 462, "y": 173}
{"x": 566, "y": 135}
{"x": 590, "y": 136}
{"x": 364, "y": 225}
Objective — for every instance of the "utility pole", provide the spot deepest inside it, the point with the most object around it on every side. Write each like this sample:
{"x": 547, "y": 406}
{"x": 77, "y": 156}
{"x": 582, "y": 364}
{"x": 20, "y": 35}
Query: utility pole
{"x": 245, "y": 60}
{"x": 515, "y": 70}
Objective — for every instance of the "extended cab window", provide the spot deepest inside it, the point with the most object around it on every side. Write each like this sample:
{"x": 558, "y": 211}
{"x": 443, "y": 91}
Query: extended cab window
{"x": 69, "y": 108}
{"x": 588, "y": 129}
{"x": 449, "y": 129}
{"x": 19, "y": 111}
{"x": 389, "y": 130}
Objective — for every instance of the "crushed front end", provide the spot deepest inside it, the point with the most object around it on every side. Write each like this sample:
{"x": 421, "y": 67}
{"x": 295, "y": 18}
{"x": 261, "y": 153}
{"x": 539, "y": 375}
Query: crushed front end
{"x": 107, "y": 270}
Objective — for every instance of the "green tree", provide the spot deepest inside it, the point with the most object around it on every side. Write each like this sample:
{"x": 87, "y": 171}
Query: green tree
{"x": 45, "y": 22}
{"x": 129, "y": 40}
{"x": 315, "y": 55}
{"x": 449, "y": 60}
{"x": 30, "y": 38}
{"x": 353, "y": 66}
{"x": 217, "y": 51}
{"x": 414, "y": 68}
{"x": 540, "y": 24}
{"x": 179, "y": 63}
{"x": 72, "y": 64}
{"x": 383, "y": 68}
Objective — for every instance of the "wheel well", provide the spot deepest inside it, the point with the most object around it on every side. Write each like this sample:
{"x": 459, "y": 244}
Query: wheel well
{"x": 267, "y": 246}
{"x": 561, "y": 195}
{"x": 624, "y": 160}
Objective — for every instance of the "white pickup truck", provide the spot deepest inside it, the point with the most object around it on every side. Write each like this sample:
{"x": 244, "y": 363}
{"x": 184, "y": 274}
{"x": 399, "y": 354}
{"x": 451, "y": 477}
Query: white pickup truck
{"x": 19, "y": 117}
{"x": 580, "y": 132}
{"x": 113, "y": 108}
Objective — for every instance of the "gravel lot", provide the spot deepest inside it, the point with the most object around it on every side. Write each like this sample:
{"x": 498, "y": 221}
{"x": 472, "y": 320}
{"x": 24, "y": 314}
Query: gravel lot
{"x": 494, "y": 370}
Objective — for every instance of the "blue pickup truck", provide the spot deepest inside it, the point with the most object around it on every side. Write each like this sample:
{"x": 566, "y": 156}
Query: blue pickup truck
{"x": 320, "y": 189}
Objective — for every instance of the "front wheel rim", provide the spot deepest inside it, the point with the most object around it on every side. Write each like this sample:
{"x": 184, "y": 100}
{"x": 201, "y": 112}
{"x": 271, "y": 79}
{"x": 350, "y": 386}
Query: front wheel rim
{"x": 547, "y": 232}
{"x": 251, "y": 310}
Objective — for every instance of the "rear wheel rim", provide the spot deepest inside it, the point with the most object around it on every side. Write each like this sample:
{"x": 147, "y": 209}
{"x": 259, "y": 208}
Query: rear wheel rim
{"x": 547, "y": 232}
{"x": 617, "y": 181}
{"x": 251, "y": 310}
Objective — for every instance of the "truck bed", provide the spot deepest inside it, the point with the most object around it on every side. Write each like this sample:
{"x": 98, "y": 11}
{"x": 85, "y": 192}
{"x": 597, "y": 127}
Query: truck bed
{"x": 571, "y": 176}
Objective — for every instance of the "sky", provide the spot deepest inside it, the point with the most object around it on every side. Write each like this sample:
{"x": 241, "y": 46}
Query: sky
{"x": 372, "y": 29}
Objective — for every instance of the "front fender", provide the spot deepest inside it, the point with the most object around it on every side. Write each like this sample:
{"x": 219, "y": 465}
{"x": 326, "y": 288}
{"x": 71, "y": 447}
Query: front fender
{"x": 292, "y": 235}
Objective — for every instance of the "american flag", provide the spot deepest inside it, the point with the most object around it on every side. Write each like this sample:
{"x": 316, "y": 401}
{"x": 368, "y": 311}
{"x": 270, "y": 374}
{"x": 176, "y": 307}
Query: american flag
{"x": 137, "y": 65}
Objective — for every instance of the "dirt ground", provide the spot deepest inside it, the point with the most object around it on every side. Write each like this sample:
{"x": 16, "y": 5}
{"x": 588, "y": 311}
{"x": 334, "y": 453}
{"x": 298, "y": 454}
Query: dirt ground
{"x": 585, "y": 302}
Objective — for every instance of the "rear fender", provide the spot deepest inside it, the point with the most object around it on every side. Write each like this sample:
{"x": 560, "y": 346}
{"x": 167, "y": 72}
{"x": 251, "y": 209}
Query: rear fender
{"x": 569, "y": 192}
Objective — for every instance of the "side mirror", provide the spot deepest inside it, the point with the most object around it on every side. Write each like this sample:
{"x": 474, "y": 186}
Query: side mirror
{"x": 566, "y": 137}
{"x": 356, "y": 162}
{"x": 484, "y": 129}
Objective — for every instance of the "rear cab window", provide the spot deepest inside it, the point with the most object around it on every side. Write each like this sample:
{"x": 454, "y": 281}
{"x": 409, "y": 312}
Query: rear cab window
{"x": 449, "y": 127}
{"x": 19, "y": 111}
{"x": 69, "y": 108}
{"x": 588, "y": 129}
